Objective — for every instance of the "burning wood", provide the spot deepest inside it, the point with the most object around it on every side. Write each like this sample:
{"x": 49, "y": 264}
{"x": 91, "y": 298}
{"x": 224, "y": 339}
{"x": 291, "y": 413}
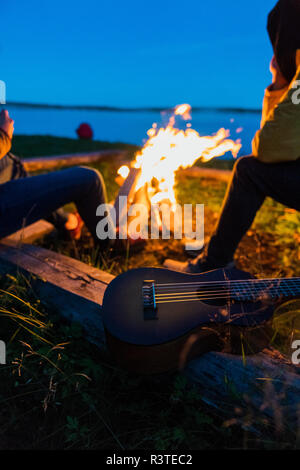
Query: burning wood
{"x": 127, "y": 196}
{"x": 169, "y": 148}
{"x": 127, "y": 190}
{"x": 151, "y": 177}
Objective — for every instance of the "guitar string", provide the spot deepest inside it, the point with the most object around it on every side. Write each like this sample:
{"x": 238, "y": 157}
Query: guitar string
{"x": 236, "y": 288}
{"x": 220, "y": 293}
{"x": 210, "y": 295}
{"x": 192, "y": 299}
{"x": 244, "y": 290}
{"x": 226, "y": 286}
{"x": 182, "y": 300}
{"x": 235, "y": 280}
{"x": 197, "y": 298}
{"x": 225, "y": 282}
{"x": 226, "y": 294}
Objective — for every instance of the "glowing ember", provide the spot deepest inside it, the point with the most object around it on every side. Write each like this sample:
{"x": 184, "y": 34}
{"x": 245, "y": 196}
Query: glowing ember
{"x": 123, "y": 171}
{"x": 169, "y": 148}
{"x": 183, "y": 110}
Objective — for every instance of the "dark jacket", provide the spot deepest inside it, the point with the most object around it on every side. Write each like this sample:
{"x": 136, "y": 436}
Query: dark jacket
{"x": 278, "y": 140}
{"x": 284, "y": 32}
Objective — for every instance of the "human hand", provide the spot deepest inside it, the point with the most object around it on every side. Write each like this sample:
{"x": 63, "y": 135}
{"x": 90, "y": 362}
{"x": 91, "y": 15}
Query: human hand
{"x": 278, "y": 79}
{"x": 6, "y": 123}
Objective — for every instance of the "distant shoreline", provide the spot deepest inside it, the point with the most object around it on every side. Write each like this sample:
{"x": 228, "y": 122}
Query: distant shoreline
{"x": 127, "y": 110}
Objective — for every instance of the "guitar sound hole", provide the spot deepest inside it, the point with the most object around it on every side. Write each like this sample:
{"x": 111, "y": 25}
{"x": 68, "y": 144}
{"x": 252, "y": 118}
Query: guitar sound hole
{"x": 213, "y": 295}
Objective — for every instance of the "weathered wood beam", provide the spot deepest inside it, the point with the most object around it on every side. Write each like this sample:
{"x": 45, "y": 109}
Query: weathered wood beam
{"x": 265, "y": 384}
{"x": 70, "y": 287}
{"x": 51, "y": 162}
{"x": 31, "y": 233}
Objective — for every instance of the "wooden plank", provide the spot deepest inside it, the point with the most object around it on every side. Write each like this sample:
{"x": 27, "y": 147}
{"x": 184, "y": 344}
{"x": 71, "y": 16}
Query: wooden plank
{"x": 51, "y": 162}
{"x": 70, "y": 287}
{"x": 31, "y": 233}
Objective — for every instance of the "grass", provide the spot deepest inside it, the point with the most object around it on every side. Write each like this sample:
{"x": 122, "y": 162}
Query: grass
{"x": 27, "y": 146}
{"x": 60, "y": 392}
{"x": 57, "y": 391}
{"x": 269, "y": 249}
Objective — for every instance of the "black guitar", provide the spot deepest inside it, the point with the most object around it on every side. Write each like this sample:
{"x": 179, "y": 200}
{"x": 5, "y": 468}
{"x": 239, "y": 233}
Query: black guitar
{"x": 156, "y": 320}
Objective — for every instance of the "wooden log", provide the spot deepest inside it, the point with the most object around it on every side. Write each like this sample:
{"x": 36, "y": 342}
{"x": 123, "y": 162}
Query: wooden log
{"x": 264, "y": 386}
{"x": 51, "y": 162}
{"x": 31, "y": 233}
{"x": 197, "y": 172}
{"x": 70, "y": 287}
{"x": 127, "y": 190}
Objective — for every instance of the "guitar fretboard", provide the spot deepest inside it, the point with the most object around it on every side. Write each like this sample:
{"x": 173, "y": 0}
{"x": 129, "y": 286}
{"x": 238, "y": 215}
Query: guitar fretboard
{"x": 265, "y": 288}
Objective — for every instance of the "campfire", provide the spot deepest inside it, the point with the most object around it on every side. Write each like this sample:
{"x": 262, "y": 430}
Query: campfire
{"x": 151, "y": 177}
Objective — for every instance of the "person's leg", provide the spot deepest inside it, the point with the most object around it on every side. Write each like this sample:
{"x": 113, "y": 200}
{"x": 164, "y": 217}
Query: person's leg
{"x": 24, "y": 201}
{"x": 252, "y": 181}
{"x": 12, "y": 168}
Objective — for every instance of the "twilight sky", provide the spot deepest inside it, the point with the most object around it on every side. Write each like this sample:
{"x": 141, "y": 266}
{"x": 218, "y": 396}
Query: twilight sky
{"x": 136, "y": 53}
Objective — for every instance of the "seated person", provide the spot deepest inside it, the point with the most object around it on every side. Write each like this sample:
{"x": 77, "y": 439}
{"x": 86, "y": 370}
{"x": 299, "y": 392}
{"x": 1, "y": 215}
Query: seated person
{"x": 274, "y": 168}
{"x": 24, "y": 200}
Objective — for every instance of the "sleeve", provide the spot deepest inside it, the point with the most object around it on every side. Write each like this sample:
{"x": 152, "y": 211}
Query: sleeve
{"x": 279, "y": 137}
{"x": 271, "y": 99}
{"x": 5, "y": 143}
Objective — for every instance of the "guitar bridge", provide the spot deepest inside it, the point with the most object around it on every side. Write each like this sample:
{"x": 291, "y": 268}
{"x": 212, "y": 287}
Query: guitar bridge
{"x": 149, "y": 302}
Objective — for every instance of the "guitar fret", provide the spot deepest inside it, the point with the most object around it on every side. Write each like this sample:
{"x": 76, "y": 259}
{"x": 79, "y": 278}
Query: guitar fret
{"x": 295, "y": 285}
{"x": 257, "y": 289}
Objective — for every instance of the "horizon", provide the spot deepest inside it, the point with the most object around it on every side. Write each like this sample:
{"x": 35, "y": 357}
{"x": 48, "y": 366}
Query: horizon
{"x": 100, "y": 107}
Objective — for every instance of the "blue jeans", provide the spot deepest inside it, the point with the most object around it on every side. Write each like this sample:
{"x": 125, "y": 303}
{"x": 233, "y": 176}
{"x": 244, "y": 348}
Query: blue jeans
{"x": 24, "y": 199}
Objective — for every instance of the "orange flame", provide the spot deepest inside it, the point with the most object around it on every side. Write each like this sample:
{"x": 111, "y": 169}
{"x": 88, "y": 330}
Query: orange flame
{"x": 183, "y": 110}
{"x": 123, "y": 171}
{"x": 169, "y": 148}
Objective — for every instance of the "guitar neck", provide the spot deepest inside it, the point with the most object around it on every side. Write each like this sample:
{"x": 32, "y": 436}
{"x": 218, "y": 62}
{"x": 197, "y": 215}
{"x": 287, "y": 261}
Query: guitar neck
{"x": 265, "y": 288}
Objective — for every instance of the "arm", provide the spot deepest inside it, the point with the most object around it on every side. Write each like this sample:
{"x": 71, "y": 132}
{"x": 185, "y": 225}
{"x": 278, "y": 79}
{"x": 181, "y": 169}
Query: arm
{"x": 279, "y": 137}
{"x": 6, "y": 133}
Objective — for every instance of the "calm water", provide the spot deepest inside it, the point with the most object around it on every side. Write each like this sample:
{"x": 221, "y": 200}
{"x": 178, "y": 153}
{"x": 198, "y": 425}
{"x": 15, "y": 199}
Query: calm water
{"x": 130, "y": 127}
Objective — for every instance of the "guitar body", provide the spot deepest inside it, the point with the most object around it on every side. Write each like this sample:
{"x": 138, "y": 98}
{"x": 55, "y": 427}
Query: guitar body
{"x": 175, "y": 332}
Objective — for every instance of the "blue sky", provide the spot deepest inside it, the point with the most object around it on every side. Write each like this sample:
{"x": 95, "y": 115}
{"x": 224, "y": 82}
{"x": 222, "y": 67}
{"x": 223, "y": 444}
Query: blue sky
{"x": 136, "y": 53}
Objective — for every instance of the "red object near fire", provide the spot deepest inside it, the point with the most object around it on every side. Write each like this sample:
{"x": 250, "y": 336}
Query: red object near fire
{"x": 84, "y": 131}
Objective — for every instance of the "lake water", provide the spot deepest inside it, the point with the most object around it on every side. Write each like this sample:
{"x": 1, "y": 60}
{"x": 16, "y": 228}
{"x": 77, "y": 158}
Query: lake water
{"x": 129, "y": 127}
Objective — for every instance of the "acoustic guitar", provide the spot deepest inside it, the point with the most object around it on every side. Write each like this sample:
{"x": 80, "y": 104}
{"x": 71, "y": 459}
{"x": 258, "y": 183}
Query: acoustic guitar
{"x": 156, "y": 320}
